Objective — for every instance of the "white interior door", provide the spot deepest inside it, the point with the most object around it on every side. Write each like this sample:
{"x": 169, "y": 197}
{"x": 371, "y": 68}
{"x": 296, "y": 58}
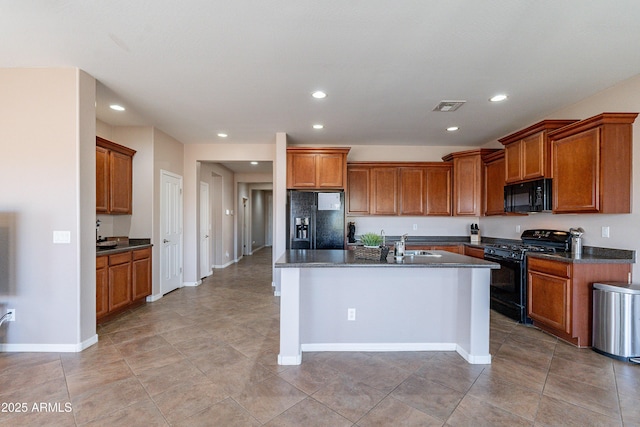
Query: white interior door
{"x": 171, "y": 231}
{"x": 205, "y": 229}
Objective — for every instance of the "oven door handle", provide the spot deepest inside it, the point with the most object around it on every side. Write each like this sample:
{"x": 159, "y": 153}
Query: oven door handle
{"x": 492, "y": 258}
{"x": 502, "y": 260}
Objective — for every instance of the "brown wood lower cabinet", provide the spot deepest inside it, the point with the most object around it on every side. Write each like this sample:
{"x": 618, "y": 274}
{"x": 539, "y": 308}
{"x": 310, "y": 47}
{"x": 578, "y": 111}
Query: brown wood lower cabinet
{"x": 119, "y": 280}
{"x": 559, "y": 295}
{"x": 474, "y": 252}
{"x": 141, "y": 273}
{"x": 456, "y": 249}
{"x": 102, "y": 286}
{"x": 123, "y": 280}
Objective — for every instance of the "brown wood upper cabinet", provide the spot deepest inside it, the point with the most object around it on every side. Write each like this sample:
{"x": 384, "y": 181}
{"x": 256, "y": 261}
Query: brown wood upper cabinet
{"x": 316, "y": 168}
{"x": 114, "y": 177}
{"x": 358, "y": 182}
{"x": 468, "y": 181}
{"x": 527, "y": 152}
{"x": 399, "y": 188}
{"x": 494, "y": 183}
{"x": 591, "y": 165}
{"x": 439, "y": 189}
{"x": 383, "y": 197}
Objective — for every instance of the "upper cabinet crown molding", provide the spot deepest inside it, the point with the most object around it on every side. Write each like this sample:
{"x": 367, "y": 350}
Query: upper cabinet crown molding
{"x": 317, "y": 168}
{"x": 527, "y": 152}
{"x": 592, "y": 165}
{"x": 110, "y": 145}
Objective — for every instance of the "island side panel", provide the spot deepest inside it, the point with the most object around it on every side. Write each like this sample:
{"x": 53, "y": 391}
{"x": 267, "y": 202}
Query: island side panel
{"x": 473, "y": 315}
{"x": 290, "y": 351}
{"x": 396, "y": 309}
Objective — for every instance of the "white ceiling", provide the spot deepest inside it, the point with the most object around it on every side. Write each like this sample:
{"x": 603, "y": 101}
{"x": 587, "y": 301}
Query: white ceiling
{"x": 247, "y": 68}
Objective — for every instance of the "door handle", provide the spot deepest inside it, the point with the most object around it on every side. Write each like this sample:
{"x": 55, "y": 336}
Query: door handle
{"x": 206, "y": 236}
{"x": 165, "y": 241}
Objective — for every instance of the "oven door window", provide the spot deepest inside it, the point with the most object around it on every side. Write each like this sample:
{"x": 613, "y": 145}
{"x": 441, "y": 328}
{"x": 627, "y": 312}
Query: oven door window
{"x": 506, "y": 284}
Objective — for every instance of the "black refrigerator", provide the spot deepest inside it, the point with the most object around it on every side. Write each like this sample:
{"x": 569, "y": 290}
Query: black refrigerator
{"x": 315, "y": 219}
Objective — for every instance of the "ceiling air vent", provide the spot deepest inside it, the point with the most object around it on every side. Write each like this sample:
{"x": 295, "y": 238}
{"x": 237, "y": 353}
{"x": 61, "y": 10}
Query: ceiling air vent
{"x": 448, "y": 106}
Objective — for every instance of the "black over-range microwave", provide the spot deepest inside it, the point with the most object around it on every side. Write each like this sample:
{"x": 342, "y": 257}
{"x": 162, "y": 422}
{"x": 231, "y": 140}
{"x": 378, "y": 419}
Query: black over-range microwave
{"x": 531, "y": 196}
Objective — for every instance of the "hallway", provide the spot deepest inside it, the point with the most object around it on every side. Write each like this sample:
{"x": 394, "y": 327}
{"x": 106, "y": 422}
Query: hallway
{"x": 206, "y": 356}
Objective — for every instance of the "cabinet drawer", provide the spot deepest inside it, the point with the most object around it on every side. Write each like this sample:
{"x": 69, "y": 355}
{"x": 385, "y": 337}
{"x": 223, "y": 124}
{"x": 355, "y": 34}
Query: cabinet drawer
{"x": 120, "y": 258}
{"x": 474, "y": 252}
{"x": 141, "y": 254}
{"x": 102, "y": 261}
{"x": 555, "y": 268}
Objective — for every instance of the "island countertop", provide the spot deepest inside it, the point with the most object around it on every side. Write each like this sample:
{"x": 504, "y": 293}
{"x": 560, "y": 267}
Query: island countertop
{"x": 336, "y": 258}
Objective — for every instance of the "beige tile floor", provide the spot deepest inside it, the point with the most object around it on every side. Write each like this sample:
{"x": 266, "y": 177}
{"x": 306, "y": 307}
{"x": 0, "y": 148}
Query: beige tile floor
{"x": 206, "y": 356}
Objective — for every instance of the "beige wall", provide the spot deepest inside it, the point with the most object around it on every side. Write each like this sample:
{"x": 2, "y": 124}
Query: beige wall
{"x": 155, "y": 151}
{"x": 167, "y": 156}
{"x": 140, "y": 138}
{"x": 48, "y": 170}
{"x": 197, "y": 157}
{"x": 222, "y": 199}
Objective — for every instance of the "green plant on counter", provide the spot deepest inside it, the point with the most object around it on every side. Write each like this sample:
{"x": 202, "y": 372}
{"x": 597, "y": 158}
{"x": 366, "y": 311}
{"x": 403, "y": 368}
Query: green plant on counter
{"x": 371, "y": 239}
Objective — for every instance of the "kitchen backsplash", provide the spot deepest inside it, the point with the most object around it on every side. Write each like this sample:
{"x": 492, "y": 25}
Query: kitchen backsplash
{"x": 414, "y": 226}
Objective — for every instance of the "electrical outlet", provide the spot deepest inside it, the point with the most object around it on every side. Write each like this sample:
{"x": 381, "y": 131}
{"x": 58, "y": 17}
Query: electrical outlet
{"x": 11, "y": 315}
{"x": 351, "y": 314}
{"x": 517, "y": 228}
{"x": 605, "y": 231}
{"x": 415, "y": 227}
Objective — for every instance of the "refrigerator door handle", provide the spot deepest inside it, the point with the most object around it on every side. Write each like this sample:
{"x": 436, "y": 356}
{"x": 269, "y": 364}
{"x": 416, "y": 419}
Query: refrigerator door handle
{"x": 312, "y": 230}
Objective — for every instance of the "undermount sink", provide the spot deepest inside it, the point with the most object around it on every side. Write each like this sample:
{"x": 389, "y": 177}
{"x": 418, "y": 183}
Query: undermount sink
{"x": 421, "y": 253}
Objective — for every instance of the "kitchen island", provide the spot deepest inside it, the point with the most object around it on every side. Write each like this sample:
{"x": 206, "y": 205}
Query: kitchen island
{"x": 422, "y": 303}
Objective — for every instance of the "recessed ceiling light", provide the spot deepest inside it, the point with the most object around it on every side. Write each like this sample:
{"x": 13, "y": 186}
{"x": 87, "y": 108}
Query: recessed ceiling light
{"x": 223, "y": 135}
{"x": 452, "y": 128}
{"x": 318, "y": 126}
{"x": 254, "y": 163}
{"x": 319, "y": 94}
{"x": 116, "y": 107}
{"x": 498, "y": 98}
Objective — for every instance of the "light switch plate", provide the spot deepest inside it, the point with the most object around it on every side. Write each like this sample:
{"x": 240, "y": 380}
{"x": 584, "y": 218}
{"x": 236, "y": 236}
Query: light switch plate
{"x": 61, "y": 236}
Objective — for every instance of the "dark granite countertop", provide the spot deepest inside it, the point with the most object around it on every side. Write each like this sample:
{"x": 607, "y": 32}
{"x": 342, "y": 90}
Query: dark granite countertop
{"x": 441, "y": 240}
{"x": 335, "y": 258}
{"x": 124, "y": 247}
{"x": 590, "y": 254}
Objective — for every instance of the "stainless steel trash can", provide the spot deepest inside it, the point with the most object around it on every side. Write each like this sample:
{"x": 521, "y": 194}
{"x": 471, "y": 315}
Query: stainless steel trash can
{"x": 616, "y": 320}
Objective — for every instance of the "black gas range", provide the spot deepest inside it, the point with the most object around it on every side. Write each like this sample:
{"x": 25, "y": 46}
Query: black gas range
{"x": 509, "y": 283}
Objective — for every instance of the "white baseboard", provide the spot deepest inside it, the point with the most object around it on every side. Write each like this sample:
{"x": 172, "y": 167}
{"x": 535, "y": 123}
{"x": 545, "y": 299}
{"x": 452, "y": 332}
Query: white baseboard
{"x": 49, "y": 348}
{"x": 226, "y": 265}
{"x": 474, "y": 360}
{"x": 380, "y": 347}
{"x": 198, "y": 283}
{"x": 152, "y": 298}
{"x": 290, "y": 360}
